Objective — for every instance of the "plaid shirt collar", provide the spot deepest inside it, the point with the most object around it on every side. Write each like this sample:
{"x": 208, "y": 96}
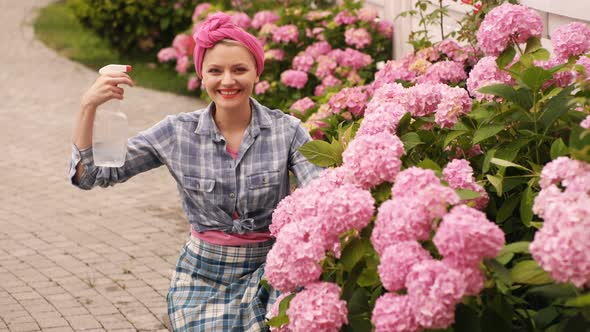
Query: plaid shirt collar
{"x": 207, "y": 125}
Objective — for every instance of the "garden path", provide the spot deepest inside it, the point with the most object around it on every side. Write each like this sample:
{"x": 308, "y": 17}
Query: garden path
{"x": 73, "y": 260}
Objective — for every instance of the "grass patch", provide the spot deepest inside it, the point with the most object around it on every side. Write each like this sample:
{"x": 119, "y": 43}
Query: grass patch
{"x": 58, "y": 28}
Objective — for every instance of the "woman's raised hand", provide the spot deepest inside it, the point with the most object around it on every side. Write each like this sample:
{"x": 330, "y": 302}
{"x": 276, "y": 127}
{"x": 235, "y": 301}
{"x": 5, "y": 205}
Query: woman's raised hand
{"x": 104, "y": 89}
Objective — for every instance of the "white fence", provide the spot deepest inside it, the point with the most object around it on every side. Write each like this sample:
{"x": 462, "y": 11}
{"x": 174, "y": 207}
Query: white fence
{"x": 554, "y": 13}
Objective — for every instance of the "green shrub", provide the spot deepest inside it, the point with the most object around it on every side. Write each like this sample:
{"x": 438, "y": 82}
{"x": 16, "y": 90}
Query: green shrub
{"x": 132, "y": 25}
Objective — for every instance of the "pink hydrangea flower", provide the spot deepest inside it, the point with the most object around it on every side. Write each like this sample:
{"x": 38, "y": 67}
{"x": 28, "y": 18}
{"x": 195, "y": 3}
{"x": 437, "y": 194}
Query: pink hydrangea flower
{"x": 355, "y": 59}
{"x": 358, "y": 38}
{"x": 449, "y": 47}
{"x": 315, "y": 15}
{"x": 183, "y": 64}
{"x": 585, "y": 123}
{"x": 561, "y": 78}
{"x": 274, "y": 54}
{"x": 373, "y": 159}
{"x": 261, "y": 87}
{"x": 242, "y": 20}
{"x": 193, "y": 83}
{"x": 286, "y": 34}
{"x": 294, "y": 78}
{"x": 367, "y": 14}
{"x": 484, "y": 73}
{"x": 433, "y": 290}
{"x": 456, "y": 102}
{"x": 394, "y": 313}
{"x": 389, "y": 93}
{"x": 293, "y": 260}
{"x": 423, "y": 99}
{"x": 331, "y": 81}
{"x": 396, "y": 262}
{"x": 392, "y": 71}
{"x": 303, "y": 62}
{"x": 352, "y": 99}
{"x": 584, "y": 63}
{"x": 443, "y": 72}
{"x": 318, "y": 308}
{"x": 184, "y": 44}
{"x": 459, "y": 175}
{"x": 563, "y": 251}
{"x": 302, "y": 105}
{"x": 200, "y": 9}
{"x": 564, "y": 170}
{"x": 382, "y": 118}
{"x": 466, "y": 236}
{"x": 473, "y": 276}
{"x": 507, "y": 23}
{"x": 318, "y": 48}
{"x": 264, "y": 17}
{"x": 344, "y": 18}
{"x": 571, "y": 39}
{"x": 326, "y": 66}
{"x": 167, "y": 54}
{"x": 385, "y": 28}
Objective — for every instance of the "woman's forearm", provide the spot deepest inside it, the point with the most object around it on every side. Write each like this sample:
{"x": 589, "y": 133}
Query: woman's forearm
{"x": 83, "y": 133}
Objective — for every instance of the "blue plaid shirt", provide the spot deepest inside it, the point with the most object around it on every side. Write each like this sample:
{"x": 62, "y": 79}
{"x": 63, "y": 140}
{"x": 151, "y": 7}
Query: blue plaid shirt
{"x": 211, "y": 183}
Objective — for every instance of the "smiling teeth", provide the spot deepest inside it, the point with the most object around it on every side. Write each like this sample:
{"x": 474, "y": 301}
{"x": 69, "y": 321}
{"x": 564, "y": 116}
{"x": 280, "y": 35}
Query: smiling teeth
{"x": 228, "y": 92}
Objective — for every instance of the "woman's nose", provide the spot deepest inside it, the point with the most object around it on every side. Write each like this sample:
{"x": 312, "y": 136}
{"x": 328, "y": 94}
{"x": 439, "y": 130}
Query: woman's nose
{"x": 227, "y": 78}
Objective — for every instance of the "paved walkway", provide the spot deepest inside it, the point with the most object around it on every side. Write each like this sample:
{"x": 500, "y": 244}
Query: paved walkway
{"x": 73, "y": 260}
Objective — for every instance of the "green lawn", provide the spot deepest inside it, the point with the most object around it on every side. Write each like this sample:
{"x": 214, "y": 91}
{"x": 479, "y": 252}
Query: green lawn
{"x": 58, "y": 28}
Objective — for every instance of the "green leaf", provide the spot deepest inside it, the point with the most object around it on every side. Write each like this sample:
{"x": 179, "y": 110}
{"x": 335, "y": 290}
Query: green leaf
{"x": 496, "y": 182}
{"x": 502, "y": 273}
{"x": 506, "y": 57}
{"x": 491, "y": 321}
{"x": 526, "y": 206}
{"x": 485, "y": 132}
{"x": 466, "y": 319}
{"x": 359, "y": 302}
{"x": 403, "y": 124}
{"x": 541, "y": 54}
{"x": 532, "y": 45}
{"x": 506, "y": 163}
{"x": 369, "y": 277}
{"x": 580, "y": 301}
{"x": 556, "y": 107}
{"x": 507, "y": 208}
{"x": 534, "y": 77}
{"x": 282, "y": 318}
{"x": 580, "y": 144}
{"x": 501, "y": 90}
{"x": 466, "y": 194}
{"x": 452, "y": 135}
{"x": 411, "y": 140}
{"x": 558, "y": 149}
{"x": 530, "y": 273}
{"x": 521, "y": 247}
{"x": 354, "y": 252}
{"x": 486, "y": 161}
{"x": 429, "y": 164}
{"x": 554, "y": 291}
{"x": 321, "y": 153}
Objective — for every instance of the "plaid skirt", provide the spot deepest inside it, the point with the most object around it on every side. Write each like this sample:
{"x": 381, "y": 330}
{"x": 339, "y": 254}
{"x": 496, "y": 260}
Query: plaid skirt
{"x": 217, "y": 288}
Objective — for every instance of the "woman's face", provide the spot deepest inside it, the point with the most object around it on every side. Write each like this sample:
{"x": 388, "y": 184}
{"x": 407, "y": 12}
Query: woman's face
{"x": 229, "y": 75}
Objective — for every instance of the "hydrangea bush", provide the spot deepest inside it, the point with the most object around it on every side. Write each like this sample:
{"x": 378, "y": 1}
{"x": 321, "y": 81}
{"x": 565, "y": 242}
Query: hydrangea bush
{"x": 455, "y": 199}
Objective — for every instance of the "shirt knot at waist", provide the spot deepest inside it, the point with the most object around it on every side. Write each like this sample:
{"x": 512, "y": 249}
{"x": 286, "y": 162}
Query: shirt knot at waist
{"x": 241, "y": 226}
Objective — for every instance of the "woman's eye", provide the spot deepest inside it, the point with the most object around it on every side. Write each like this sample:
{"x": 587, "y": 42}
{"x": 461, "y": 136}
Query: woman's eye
{"x": 213, "y": 70}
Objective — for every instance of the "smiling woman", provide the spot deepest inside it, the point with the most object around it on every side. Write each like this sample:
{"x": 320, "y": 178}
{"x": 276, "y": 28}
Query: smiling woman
{"x": 231, "y": 161}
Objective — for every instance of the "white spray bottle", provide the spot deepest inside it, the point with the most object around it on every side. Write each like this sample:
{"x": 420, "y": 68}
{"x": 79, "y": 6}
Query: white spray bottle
{"x": 110, "y": 131}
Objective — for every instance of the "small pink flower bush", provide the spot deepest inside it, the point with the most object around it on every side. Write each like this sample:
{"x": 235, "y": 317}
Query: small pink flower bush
{"x": 561, "y": 247}
{"x": 318, "y": 308}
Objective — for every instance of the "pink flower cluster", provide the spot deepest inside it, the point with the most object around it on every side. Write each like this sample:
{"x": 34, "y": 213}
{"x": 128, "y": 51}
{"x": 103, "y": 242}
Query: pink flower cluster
{"x": 264, "y": 17}
{"x": 585, "y": 123}
{"x": 459, "y": 175}
{"x": 274, "y": 54}
{"x": 344, "y": 18}
{"x": 508, "y": 24}
{"x": 443, "y": 72}
{"x": 318, "y": 48}
{"x": 200, "y": 10}
{"x": 561, "y": 247}
{"x": 317, "y": 308}
{"x": 303, "y": 62}
{"x": 571, "y": 39}
{"x": 484, "y": 73}
{"x": 310, "y": 221}
{"x": 242, "y": 20}
{"x": 433, "y": 287}
{"x": 351, "y": 99}
{"x": 286, "y": 34}
{"x": 455, "y": 103}
{"x": 381, "y": 118}
{"x": 302, "y": 105}
{"x": 373, "y": 159}
{"x": 294, "y": 78}
{"x": 358, "y": 38}
{"x": 261, "y": 87}
{"x": 583, "y": 72}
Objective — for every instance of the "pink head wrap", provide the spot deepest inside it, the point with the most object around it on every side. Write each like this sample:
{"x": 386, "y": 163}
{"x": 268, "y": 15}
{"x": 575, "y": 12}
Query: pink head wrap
{"x": 218, "y": 27}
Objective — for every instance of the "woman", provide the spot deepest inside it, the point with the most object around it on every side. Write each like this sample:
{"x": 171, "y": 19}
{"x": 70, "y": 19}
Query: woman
{"x": 231, "y": 161}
